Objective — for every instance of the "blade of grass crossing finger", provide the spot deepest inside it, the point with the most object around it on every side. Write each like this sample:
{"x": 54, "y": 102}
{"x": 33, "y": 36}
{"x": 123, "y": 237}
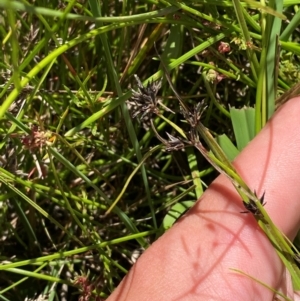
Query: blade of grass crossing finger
{"x": 281, "y": 246}
{"x": 275, "y": 236}
{"x": 262, "y": 283}
{"x": 96, "y": 10}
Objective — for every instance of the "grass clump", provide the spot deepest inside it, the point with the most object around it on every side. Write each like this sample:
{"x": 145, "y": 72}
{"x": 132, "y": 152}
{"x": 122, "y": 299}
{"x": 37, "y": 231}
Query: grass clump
{"x": 84, "y": 186}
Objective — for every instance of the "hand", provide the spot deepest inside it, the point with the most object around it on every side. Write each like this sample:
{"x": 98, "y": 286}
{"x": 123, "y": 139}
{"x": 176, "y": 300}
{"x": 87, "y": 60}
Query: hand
{"x": 193, "y": 260}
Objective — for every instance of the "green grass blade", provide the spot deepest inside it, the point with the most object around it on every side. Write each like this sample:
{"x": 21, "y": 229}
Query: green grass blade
{"x": 130, "y": 225}
{"x": 250, "y": 52}
{"x": 227, "y": 146}
{"x": 97, "y": 11}
{"x": 64, "y": 254}
{"x": 243, "y": 125}
{"x": 273, "y": 31}
{"x": 292, "y": 25}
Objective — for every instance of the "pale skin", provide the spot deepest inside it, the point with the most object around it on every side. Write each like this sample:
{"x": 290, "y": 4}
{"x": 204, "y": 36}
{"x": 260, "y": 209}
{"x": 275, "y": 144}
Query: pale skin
{"x": 193, "y": 260}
